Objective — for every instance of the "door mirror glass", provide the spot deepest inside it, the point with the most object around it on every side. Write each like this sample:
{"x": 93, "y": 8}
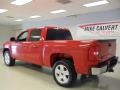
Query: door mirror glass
{"x": 12, "y": 39}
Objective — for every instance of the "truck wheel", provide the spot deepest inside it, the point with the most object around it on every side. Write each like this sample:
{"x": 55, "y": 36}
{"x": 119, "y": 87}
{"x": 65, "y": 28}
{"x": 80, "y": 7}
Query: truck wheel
{"x": 8, "y": 59}
{"x": 64, "y": 73}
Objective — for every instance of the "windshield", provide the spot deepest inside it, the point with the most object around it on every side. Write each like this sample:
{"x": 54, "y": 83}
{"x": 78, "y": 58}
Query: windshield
{"x": 58, "y": 34}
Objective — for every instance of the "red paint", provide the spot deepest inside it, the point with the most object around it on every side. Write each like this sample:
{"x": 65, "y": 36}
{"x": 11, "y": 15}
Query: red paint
{"x": 44, "y": 52}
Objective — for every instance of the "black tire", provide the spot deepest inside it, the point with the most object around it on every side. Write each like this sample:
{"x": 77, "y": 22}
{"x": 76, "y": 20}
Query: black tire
{"x": 8, "y": 60}
{"x": 68, "y": 68}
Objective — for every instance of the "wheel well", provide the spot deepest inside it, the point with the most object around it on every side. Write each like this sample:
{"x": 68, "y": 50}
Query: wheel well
{"x": 60, "y": 56}
{"x": 5, "y": 49}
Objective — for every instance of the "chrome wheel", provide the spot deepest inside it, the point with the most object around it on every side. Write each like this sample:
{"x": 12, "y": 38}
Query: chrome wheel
{"x": 7, "y": 58}
{"x": 62, "y": 74}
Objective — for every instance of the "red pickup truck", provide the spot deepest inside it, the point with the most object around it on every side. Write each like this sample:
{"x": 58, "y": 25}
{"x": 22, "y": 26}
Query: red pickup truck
{"x": 55, "y": 48}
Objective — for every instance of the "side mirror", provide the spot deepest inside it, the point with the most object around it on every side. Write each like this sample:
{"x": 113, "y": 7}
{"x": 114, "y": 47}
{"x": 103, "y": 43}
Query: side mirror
{"x": 12, "y": 39}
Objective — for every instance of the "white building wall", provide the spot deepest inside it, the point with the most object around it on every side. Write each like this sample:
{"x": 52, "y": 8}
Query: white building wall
{"x": 6, "y": 32}
{"x": 73, "y": 22}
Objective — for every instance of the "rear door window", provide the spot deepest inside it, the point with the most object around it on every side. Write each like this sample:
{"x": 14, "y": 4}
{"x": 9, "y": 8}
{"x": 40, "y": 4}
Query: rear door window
{"x": 35, "y": 35}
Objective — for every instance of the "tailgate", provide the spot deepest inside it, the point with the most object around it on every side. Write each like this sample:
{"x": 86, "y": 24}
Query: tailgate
{"x": 107, "y": 49}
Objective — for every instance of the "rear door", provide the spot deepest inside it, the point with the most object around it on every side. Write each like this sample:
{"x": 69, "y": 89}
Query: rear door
{"x": 35, "y": 47}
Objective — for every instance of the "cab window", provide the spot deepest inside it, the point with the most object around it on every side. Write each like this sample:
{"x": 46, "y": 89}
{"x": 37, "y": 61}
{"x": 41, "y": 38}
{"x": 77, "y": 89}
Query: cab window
{"x": 35, "y": 35}
{"x": 22, "y": 36}
{"x": 58, "y": 34}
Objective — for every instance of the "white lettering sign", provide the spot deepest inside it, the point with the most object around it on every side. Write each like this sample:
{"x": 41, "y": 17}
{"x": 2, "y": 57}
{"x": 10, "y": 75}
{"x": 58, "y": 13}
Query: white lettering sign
{"x": 109, "y": 29}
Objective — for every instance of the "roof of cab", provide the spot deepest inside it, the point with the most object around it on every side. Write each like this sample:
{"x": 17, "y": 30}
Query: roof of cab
{"x": 33, "y": 28}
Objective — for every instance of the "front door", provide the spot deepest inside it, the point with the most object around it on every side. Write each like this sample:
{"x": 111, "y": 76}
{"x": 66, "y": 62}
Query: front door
{"x": 18, "y": 47}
